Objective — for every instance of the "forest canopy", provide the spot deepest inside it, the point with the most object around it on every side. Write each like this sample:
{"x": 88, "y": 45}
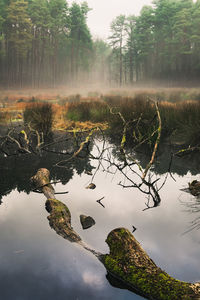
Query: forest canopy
{"x": 46, "y": 43}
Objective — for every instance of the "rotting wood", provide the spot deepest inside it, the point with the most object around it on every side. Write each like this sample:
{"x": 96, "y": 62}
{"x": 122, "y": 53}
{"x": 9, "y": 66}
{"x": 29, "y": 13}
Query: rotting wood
{"x": 60, "y": 216}
{"x": 129, "y": 263}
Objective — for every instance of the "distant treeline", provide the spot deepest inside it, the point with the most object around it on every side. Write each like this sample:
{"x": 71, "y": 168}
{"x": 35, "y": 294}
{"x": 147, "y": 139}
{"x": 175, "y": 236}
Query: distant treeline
{"x": 48, "y": 43}
{"x": 163, "y": 43}
{"x": 43, "y": 42}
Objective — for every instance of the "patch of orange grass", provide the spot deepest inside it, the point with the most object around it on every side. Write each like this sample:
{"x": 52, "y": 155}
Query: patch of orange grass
{"x": 90, "y": 99}
{"x": 60, "y": 122}
{"x": 167, "y": 104}
{"x": 5, "y": 117}
{"x": 178, "y": 105}
{"x": 79, "y": 126}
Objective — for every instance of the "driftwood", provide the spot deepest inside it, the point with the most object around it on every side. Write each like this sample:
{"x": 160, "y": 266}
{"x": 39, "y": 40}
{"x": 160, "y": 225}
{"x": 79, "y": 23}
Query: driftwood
{"x": 128, "y": 262}
{"x": 60, "y": 216}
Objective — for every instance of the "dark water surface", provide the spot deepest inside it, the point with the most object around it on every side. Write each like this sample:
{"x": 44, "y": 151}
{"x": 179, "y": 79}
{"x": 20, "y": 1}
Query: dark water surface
{"x": 36, "y": 263}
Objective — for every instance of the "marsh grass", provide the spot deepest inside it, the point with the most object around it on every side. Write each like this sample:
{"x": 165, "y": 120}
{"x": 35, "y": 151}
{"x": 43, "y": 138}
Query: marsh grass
{"x": 4, "y": 117}
{"x": 179, "y": 109}
{"x": 94, "y": 111}
{"x": 188, "y": 122}
{"x": 40, "y": 117}
{"x": 180, "y": 119}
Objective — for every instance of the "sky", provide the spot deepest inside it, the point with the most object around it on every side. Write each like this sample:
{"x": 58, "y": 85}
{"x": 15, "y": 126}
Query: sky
{"x": 104, "y": 11}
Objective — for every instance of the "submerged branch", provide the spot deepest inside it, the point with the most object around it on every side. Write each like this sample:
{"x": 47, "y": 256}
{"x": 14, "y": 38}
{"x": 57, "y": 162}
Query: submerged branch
{"x": 81, "y": 146}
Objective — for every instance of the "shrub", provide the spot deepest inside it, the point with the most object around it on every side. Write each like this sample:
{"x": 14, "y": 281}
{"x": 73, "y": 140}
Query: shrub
{"x": 188, "y": 122}
{"x": 88, "y": 111}
{"x": 33, "y": 100}
{"x": 4, "y": 117}
{"x": 20, "y": 100}
{"x": 180, "y": 119}
{"x": 74, "y": 98}
{"x": 40, "y": 117}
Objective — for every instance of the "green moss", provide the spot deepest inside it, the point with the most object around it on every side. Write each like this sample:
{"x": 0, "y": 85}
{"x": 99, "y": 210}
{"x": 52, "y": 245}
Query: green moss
{"x": 58, "y": 205}
{"x": 147, "y": 279}
{"x": 60, "y": 219}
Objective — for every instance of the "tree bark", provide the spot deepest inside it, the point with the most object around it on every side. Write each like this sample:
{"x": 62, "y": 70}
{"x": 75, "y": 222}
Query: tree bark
{"x": 60, "y": 217}
{"x": 129, "y": 263}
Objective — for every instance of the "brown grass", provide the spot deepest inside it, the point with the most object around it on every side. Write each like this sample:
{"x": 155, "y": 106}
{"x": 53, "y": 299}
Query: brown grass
{"x": 178, "y": 106}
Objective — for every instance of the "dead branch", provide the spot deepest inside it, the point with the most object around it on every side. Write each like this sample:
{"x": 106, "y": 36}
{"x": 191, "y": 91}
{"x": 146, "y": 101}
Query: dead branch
{"x": 156, "y": 143}
{"x": 20, "y": 147}
{"x": 99, "y": 201}
{"x": 81, "y": 146}
{"x": 187, "y": 151}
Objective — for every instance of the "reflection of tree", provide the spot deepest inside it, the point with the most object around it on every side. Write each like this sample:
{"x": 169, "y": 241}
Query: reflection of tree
{"x": 181, "y": 165}
{"x": 121, "y": 284}
{"x": 193, "y": 207}
{"x": 17, "y": 169}
{"x": 125, "y": 162}
{"x": 111, "y": 160}
{"x": 23, "y": 151}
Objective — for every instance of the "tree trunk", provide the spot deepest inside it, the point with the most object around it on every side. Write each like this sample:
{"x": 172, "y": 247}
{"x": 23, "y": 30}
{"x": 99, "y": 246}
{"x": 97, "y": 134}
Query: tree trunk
{"x": 120, "y": 63}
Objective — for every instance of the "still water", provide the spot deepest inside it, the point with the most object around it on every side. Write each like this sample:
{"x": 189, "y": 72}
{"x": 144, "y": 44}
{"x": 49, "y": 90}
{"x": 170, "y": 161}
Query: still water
{"x": 36, "y": 263}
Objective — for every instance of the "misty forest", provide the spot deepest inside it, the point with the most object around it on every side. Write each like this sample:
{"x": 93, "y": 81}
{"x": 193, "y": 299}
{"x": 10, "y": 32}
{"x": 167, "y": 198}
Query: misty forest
{"x": 99, "y": 152}
{"x": 48, "y": 43}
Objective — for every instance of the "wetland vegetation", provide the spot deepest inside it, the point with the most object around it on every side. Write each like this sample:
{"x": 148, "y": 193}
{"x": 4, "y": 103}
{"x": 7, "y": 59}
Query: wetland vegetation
{"x": 109, "y": 132}
{"x": 125, "y": 135}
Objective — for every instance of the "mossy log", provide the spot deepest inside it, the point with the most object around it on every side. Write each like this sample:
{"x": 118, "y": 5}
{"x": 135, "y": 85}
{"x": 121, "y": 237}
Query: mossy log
{"x": 129, "y": 263}
{"x": 60, "y": 216}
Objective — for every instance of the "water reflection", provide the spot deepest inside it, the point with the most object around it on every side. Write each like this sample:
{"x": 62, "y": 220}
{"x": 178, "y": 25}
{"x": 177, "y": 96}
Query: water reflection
{"x": 38, "y": 264}
{"x": 42, "y": 265}
{"x": 180, "y": 164}
{"x": 192, "y": 206}
{"x": 17, "y": 170}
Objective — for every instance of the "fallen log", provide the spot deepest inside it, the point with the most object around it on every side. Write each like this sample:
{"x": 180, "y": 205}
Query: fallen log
{"x": 60, "y": 216}
{"x": 129, "y": 263}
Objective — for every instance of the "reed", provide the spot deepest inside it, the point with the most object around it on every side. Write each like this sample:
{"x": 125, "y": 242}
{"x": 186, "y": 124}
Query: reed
{"x": 180, "y": 119}
{"x": 4, "y": 117}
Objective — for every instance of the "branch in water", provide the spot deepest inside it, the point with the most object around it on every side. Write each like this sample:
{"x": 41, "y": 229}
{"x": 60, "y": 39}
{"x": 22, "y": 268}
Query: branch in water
{"x": 99, "y": 201}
